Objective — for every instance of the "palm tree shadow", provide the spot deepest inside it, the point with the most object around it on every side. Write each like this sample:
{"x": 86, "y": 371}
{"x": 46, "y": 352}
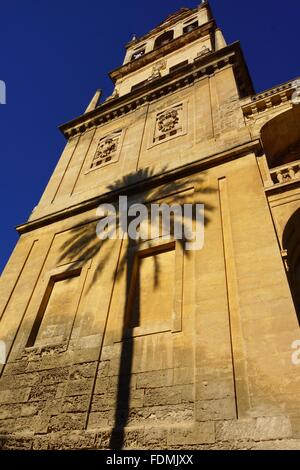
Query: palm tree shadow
{"x": 83, "y": 244}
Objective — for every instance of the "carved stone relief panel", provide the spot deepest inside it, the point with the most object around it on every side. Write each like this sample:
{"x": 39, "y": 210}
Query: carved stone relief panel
{"x": 169, "y": 123}
{"x": 107, "y": 150}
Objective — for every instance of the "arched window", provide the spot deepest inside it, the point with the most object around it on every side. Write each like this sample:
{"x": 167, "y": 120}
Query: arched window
{"x": 291, "y": 247}
{"x": 163, "y": 39}
{"x": 190, "y": 27}
{"x": 281, "y": 138}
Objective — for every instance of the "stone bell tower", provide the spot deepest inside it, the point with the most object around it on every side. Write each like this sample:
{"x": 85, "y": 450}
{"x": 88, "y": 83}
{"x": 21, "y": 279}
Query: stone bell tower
{"x": 139, "y": 343}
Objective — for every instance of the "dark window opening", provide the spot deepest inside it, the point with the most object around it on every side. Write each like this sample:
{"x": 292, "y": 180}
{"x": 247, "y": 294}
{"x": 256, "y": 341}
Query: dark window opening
{"x": 164, "y": 39}
{"x": 137, "y": 54}
{"x": 179, "y": 66}
{"x": 139, "y": 85}
{"x": 190, "y": 27}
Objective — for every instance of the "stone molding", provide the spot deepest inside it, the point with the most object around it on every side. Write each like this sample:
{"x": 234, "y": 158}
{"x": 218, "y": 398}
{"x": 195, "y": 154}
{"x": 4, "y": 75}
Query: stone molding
{"x": 203, "y": 66}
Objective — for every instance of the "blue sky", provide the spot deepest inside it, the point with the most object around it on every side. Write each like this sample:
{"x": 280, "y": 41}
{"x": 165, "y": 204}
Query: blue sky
{"x": 55, "y": 53}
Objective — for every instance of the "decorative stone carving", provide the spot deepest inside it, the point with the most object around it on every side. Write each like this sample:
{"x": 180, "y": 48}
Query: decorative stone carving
{"x": 169, "y": 123}
{"x": 156, "y": 70}
{"x": 106, "y": 150}
{"x": 285, "y": 174}
{"x": 168, "y": 120}
{"x": 205, "y": 50}
{"x": 33, "y": 354}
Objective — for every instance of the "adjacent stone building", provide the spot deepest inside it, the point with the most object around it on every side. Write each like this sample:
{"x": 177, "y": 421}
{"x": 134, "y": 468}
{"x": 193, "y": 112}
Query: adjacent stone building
{"x": 142, "y": 344}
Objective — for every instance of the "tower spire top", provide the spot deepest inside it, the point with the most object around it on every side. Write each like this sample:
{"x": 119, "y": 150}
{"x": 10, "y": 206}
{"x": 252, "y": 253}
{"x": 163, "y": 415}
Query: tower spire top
{"x": 94, "y": 101}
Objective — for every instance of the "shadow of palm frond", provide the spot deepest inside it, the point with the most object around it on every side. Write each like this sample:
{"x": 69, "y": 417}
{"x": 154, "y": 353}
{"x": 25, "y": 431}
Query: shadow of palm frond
{"x": 83, "y": 243}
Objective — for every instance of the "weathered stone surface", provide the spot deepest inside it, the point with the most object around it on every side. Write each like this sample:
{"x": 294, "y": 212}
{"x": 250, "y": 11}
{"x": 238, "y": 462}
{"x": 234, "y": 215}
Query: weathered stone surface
{"x": 13, "y": 381}
{"x": 83, "y": 371}
{"x": 75, "y": 404}
{"x": 10, "y": 443}
{"x": 79, "y": 387}
{"x": 72, "y": 440}
{"x": 103, "y": 368}
{"x": 260, "y": 429}
{"x": 107, "y": 401}
{"x": 128, "y": 381}
{"x": 14, "y": 396}
{"x": 169, "y": 395}
{"x": 50, "y": 406}
{"x": 53, "y": 376}
{"x": 283, "y": 444}
{"x": 295, "y": 423}
{"x": 153, "y": 414}
{"x": 202, "y": 433}
{"x": 41, "y": 392}
{"x": 67, "y": 421}
{"x": 42, "y": 422}
{"x": 15, "y": 368}
{"x": 102, "y": 385}
{"x": 159, "y": 378}
{"x": 17, "y": 425}
{"x": 103, "y": 439}
{"x": 133, "y": 439}
{"x": 82, "y": 356}
{"x": 98, "y": 420}
{"x": 183, "y": 375}
{"x": 14, "y": 411}
{"x": 155, "y": 438}
{"x": 218, "y": 409}
{"x": 40, "y": 442}
{"x": 215, "y": 389}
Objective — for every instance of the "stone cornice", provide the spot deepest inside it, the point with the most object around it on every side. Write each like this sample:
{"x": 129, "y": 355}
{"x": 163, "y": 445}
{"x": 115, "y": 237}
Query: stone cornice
{"x": 143, "y": 184}
{"x": 201, "y": 67}
{"x": 152, "y": 56}
{"x": 282, "y": 188}
{"x": 268, "y": 99}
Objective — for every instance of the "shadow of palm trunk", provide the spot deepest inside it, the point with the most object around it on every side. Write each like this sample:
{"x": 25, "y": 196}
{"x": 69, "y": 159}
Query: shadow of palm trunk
{"x": 122, "y": 409}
